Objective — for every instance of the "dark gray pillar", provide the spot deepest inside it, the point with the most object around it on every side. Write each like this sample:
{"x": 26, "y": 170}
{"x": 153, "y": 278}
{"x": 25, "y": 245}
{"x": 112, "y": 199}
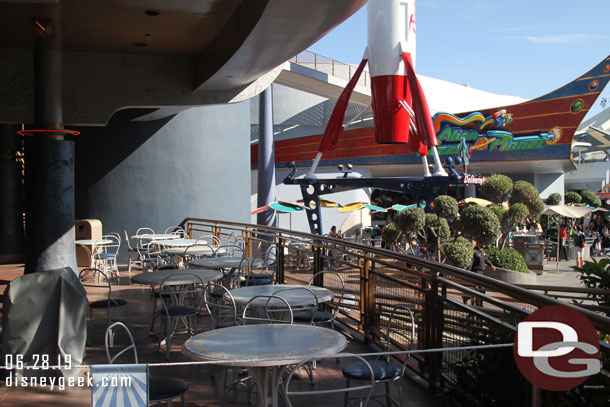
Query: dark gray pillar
{"x": 49, "y": 174}
{"x": 11, "y": 197}
{"x": 266, "y": 158}
{"x": 470, "y": 191}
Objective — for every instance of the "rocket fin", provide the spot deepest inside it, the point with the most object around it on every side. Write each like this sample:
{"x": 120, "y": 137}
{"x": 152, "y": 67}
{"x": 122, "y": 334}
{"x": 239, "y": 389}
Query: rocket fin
{"x": 335, "y": 123}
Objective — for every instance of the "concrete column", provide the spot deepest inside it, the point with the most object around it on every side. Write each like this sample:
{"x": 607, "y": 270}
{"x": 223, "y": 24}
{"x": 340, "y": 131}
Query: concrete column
{"x": 266, "y": 158}
{"x": 11, "y": 196}
{"x": 470, "y": 191}
{"x": 49, "y": 174}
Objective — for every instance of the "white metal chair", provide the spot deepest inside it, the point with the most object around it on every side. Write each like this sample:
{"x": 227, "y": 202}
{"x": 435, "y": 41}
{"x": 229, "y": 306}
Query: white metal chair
{"x": 98, "y": 282}
{"x": 385, "y": 369}
{"x": 220, "y": 306}
{"x": 364, "y": 390}
{"x": 267, "y": 309}
{"x": 197, "y": 250}
{"x": 328, "y": 315}
{"x": 180, "y": 303}
{"x": 131, "y": 252}
{"x": 176, "y": 230}
{"x": 106, "y": 255}
{"x": 159, "y": 388}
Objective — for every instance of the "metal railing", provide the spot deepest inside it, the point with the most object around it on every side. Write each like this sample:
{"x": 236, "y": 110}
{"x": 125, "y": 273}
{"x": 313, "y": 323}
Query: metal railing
{"x": 452, "y": 307}
{"x": 330, "y": 67}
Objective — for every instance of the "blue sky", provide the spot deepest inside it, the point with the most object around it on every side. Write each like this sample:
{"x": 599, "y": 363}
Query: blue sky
{"x": 520, "y": 48}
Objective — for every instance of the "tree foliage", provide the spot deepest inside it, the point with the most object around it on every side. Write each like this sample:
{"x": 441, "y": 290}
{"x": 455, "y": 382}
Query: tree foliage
{"x": 480, "y": 224}
{"x": 572, "y": 197}
{"x": 553, "y": 199}
{"x": 410, "y": 221}
{"x": 391, "y": 234}
{"x": 497, "y": 188}
{"x": 445, "y": 206}
{"x": 459, "y": 253}
{"x": 590, "y": 198}
{"x": 435, "y": 233}
{"x": 507, "y": 258}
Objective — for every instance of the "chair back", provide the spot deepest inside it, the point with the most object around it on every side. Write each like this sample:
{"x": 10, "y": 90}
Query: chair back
{"x": 230, "y": 250}
{"x": 197, "y": 250}
{"x": 307, "y": 303}
{"x": 176, "y": 230}
{"x": 96, "y": 278}
{"x": 111, "y": 332}
{"x": 220, "y": 305}
{"x": 145, "y": 231}
{"x": 364, "y": 389}
{"x": 398, "y": 337}
{"x": 181, "y": 290}
{"x": 114, "y": 246}
{"x": 267, "y": 309}
{"x": 338, "y": 296}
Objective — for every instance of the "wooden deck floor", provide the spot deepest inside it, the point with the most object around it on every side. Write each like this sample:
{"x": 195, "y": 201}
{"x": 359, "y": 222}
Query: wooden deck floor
{"x": 206, "y": 383}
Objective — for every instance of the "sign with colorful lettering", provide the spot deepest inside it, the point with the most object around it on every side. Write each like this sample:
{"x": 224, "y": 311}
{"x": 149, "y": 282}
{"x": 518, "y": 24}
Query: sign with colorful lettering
{"x": 478, "y": 132}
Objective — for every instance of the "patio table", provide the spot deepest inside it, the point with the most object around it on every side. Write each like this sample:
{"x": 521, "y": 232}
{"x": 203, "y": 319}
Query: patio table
{"x": 223, "y": 262}
{"x": 180, "y": 242}
{"x": 91, "y": 246}
{"x": 156, "y": 236}
{"x": 295, "y": 298}
{"x": 266, "y": 349}
{"x": 157, "y": 277}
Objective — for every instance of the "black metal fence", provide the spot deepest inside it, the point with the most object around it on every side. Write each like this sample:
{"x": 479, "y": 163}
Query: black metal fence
{"x": 452, "y": 307}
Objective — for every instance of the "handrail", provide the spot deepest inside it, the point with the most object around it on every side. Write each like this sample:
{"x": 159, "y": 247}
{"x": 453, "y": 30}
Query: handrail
{"x": 378, "y": 278}
{"x": 599, "y": 321}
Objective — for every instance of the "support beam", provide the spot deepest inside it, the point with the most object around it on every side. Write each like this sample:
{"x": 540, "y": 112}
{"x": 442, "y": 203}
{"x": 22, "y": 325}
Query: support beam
{"x": 266, "y": 158}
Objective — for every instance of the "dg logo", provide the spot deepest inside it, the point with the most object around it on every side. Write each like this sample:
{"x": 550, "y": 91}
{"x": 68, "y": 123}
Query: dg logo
{"x": 556, "y": 348}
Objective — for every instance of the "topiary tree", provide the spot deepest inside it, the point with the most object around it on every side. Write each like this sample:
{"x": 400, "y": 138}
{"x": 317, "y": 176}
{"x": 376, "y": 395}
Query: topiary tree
{"x": 526, "y": 193}
{"x": 391, "y": 234}
{"x": 589, "y": 198}
{"x": 553, "y": 199}
{"x": 410, "y": 222}
{"x": 497, "y": 188}
{"x": 507, "y": 258}
{"x": 515, "y": 214}
{"x": 435, "y": 234}
{"x": 445, "y": 206}
{"x": 459, "y": 253}
{"x": 572, "y": 197}
{"x": 480, "y": 224}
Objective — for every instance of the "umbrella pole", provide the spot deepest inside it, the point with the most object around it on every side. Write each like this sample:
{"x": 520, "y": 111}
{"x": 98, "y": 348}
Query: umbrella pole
{"x": 557, "y": 260}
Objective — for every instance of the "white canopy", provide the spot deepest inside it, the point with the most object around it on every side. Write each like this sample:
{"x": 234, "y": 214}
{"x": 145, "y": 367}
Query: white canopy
{"x": 567, "y": 211}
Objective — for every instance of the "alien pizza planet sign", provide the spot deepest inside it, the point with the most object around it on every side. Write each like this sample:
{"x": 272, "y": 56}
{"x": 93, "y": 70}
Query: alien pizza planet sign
{"x": 556, "y": 348}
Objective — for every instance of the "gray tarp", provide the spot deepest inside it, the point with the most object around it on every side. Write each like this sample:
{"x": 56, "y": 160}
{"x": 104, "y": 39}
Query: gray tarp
{"x": 45, "y": 314}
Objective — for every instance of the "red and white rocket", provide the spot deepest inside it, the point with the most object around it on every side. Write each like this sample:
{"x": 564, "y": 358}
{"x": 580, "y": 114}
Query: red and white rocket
{"x": 400, "y": 110}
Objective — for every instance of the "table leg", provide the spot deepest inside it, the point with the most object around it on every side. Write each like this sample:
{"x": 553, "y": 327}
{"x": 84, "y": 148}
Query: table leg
{"x": 267, "y": 380}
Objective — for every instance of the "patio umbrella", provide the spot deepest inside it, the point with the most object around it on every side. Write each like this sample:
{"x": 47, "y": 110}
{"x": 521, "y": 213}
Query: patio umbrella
{"x": 478, "y": 201}
{"x": 568, "y": 212}
{"x": 323, "y": 203}
{"x": 280, "y": 207}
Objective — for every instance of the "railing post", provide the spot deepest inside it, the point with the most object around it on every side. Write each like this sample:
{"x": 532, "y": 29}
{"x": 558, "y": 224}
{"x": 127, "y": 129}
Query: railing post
{"x": 367, "y": 299}
{"x": 279, "y": 278}
{"x": 189, "y": 229}
{"x": 433, "y": 331}
{"x": 317, "y": 257}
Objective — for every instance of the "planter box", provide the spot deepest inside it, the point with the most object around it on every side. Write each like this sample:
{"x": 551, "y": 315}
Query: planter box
{"x": 511, "y": 277}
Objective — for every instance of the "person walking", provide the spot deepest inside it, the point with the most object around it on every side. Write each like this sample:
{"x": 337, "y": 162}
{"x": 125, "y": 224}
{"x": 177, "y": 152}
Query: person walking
{"x": 580, "y": 243}
{"x": 563, "y": 243}
{"x": 480, "y": 261}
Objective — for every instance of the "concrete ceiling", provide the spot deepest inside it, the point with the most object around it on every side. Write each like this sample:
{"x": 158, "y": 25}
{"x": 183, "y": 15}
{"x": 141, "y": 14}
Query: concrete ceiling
{"x": 217, "y": 48}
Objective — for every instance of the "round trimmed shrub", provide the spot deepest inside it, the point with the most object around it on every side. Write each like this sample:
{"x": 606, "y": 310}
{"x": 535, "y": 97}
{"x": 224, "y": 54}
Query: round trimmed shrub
{"x": 445, "y": 206}
{"x": 459, "y": 253}
{"x": 480, "y": 224}
{"x": 589, "y": 198}
{"x": 507, "y": 258}
{"x": 572, "y": 197}
{"x": 553, "y": 199}
{"x": 391, "y": 234}
{"x": 497, "y": 188}
{"x": 410, "y": 221}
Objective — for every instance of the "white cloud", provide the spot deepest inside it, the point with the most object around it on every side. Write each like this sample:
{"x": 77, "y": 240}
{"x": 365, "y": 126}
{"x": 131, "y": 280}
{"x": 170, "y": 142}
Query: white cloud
{"x": 560, "y": 38}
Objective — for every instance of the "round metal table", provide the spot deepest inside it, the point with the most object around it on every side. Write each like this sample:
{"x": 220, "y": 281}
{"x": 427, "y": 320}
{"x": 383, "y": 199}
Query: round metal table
{"x": 157, "y": 277}
{"x": 295, "y": 298}
{"x": 265, "y": 349}
{"x": 223, "y": 262}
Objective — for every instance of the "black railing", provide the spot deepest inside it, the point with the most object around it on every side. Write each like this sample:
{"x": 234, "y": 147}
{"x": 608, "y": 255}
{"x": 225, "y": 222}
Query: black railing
{"x": 452, "y": 307}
